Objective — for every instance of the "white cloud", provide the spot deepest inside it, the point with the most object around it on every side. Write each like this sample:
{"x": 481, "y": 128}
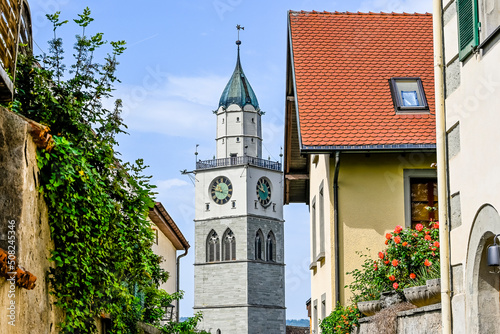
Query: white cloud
{"x": 172, "y": 105}
{"x": 398, "y": 6}
{"x": 171, "y": 183}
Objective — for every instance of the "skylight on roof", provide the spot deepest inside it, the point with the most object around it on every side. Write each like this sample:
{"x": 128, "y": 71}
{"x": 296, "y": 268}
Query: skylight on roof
{"x": 408, "y": 95}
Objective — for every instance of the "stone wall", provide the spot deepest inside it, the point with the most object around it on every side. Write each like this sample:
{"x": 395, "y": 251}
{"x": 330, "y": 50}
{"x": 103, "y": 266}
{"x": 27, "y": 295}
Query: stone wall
{"x": 425, "y": 319}
{"x": 23, "y": 210}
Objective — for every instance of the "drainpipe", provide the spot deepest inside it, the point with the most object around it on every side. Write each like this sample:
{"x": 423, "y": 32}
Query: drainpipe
{"x": 336, "y": 225}
{"x": 177, "y": 283}
{"x": 441, "y": 166}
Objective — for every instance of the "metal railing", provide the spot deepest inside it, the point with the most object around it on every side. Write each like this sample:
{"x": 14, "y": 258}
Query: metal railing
{"x": 242, "y": 160}
{"x": 15, "y": 37}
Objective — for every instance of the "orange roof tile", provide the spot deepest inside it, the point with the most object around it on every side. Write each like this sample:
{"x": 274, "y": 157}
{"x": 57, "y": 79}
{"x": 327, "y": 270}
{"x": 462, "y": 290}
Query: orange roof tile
{"x": 342, "y": 66}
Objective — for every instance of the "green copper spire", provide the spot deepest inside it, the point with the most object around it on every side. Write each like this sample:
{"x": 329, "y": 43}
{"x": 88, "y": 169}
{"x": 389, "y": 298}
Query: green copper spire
{"x": 238, "y": 90}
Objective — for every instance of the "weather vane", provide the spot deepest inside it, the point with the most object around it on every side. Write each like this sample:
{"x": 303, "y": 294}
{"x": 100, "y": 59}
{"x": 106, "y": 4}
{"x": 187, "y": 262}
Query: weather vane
{"x": 238, "y": 42}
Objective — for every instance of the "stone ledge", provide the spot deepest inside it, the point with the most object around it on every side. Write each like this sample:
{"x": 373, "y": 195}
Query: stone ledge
{"x": 425, "y": 309}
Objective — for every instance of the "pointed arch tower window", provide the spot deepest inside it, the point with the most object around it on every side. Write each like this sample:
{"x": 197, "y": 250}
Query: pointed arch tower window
{"x": 271, "y": 247}
{"x": 259, "y": 247}
{"x": 229, "y": 246}
{"x": 213, "y": 247}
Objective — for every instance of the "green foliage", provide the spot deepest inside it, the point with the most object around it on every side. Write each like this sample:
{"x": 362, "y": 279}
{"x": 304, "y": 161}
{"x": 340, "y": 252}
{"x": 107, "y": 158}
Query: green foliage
{"x": 98, "y": 204}
{"x": 367, "y": 282}
{"x": 341, "y": 321}
{"x": 411, "y": 256}
{"x": 186, "y": 327}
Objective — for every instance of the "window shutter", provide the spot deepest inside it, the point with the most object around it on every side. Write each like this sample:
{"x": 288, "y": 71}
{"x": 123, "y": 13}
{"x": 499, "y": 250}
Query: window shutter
{"x": 468, "y": 27}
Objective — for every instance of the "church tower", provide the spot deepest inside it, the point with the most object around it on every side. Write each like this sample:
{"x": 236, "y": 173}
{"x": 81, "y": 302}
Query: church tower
{"x": 239, "y": 248}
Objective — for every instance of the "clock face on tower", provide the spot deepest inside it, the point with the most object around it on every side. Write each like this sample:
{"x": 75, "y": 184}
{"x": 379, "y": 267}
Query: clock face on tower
{"x": 221, "y": 190}
{"x": 264, "y": 191}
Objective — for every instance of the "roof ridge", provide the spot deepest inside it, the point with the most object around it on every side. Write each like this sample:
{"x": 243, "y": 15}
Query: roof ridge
{"x": 359, "y": 13}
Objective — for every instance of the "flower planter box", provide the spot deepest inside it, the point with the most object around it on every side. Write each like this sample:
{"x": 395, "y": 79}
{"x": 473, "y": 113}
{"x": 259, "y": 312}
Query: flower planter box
{"x": 369, "y": 307}
{"x": 424, "y": 295}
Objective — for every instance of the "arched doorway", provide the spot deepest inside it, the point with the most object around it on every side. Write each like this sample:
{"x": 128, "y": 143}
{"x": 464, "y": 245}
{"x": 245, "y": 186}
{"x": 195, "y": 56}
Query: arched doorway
{"x": 482, "y": 281}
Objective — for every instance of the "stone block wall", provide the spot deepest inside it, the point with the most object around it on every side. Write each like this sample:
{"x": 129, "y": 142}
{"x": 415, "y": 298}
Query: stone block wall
{"x": 425, "y": 319}
{"x": 23, "y": 210}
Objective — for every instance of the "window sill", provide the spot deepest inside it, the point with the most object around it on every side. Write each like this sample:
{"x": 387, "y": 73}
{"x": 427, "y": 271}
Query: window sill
{"x": 489, "y": 38}
{"x": 313, "y": 265}
{"x": 320, "y": 257}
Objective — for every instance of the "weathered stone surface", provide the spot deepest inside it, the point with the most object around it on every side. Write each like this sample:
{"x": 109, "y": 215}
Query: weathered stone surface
{"x": 22, "y": 205}
{"x": 369, "y": 307}
{"x": 423, "y": 320}
{"x": 389, "y": 298}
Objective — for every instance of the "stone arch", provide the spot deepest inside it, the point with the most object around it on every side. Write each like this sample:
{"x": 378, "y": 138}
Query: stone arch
{"x": 482, "y": 286}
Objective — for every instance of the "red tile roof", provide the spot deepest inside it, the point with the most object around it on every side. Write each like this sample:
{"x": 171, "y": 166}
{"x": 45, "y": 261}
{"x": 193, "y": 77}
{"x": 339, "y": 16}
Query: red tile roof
{"x": 342, "y": 64}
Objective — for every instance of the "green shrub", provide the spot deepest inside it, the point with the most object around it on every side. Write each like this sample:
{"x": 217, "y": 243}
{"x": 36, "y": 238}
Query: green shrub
{"x": 341, "y": 321}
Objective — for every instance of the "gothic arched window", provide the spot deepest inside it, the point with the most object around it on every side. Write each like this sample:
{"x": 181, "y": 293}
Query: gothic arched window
{"x": 271, "y": 247}
{"x": 213, "y": 247}
{"x": 228, "y": 246}
{"x": 259, "y": 247}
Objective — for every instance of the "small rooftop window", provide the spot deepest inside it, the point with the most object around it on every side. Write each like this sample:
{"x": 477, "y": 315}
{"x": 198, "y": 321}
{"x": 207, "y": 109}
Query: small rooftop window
{"x": 408, "y": 95}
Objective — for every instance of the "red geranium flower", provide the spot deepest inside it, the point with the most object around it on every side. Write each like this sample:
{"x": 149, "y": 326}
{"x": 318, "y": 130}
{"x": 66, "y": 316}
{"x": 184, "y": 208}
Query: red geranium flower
{"x": 419, "y": 227}
{"x": 415, "y": 234}
{"x": 405, "y": 243}
{"x": 397, "y": 239}
{"x": 395, "y": 285}
{"x": 388, "y": 236}
{"x": 375, "y": 267}
{"x": 398, "y": 229}
{"x": 436, "y": 243}
{"x": 387, "y": 242}
{"x": 427, "y": 263}
{"x": 392, "y": 278}
{"x": 381, "y": 255}
{"x": 395, "y": 263}
{"x": 427, "y": 237}
{"x": 412, "y": 276}
{"x": 386, "y": 262}
{"x": 435, "y": 225}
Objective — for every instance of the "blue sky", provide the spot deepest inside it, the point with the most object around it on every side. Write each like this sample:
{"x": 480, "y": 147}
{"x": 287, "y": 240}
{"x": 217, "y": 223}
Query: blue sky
{"x": 180, "y": 56}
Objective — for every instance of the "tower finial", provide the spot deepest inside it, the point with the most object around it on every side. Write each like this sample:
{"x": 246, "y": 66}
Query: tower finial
{"x": 238, "y": 42}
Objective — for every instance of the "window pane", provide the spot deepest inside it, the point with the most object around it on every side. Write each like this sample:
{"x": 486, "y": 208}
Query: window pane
{"x": 424, "y": 205}
{"x": 410, "y": 98}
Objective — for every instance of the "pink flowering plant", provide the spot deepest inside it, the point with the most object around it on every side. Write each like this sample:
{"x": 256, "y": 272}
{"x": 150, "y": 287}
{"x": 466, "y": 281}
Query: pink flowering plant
{"x": 410, "y": 255}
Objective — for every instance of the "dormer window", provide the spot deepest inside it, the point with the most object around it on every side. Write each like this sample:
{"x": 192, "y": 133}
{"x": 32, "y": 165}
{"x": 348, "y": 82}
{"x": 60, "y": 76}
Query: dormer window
{"x": 408, "y": 95}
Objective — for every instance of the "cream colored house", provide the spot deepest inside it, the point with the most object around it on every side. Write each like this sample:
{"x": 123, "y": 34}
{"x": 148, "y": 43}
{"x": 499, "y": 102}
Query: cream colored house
{"x": 472, "y": 99}
{"x": 359, "y": 136}
{"x": 169, "y": 240}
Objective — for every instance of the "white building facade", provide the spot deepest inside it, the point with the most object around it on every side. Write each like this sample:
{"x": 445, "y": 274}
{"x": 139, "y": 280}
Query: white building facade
{"x": 472, "y": 90}
{"x": 239, "y": 238}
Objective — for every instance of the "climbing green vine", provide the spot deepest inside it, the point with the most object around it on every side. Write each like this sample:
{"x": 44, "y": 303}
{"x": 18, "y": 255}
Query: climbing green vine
{"x": 98, "y": 204}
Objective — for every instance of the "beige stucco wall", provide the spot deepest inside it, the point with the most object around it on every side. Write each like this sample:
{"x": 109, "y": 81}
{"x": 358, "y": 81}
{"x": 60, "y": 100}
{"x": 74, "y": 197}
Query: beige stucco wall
{"x": 371, "y": 203}
{"x": 21, "y": 202}
{"x": 321, "y": 276}
{"x": 166, "y": 249}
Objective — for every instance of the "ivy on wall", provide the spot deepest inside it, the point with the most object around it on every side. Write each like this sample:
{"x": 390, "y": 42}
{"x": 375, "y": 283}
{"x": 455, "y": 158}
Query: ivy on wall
{"x": 98, "y": 204}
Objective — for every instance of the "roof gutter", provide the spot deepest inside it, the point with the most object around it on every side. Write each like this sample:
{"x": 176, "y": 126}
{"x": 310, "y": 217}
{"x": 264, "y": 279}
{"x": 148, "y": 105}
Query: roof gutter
{"x": 369, "y": 148}
{"x": 441, "y": 166}
{"x": 336, "y": 225}
{"x": 177, "y": 283}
